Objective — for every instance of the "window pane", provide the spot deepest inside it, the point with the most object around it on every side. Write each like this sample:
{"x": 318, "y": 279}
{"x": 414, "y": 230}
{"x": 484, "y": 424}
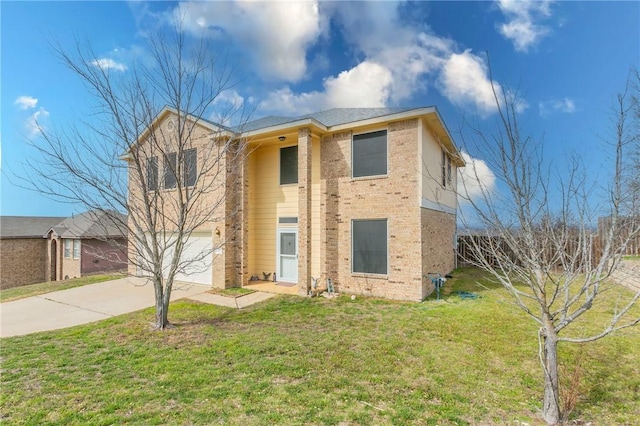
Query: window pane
{"x": 288, "y": 243}
{"x": 170, "y": 170}
{"x": 288, "y": 220}
{"x": 67, "y": 249}
{"x": 152, "y": 173}
{"x": 369, "y": 155}
{"x": 289, "y": 165}
{"x": 76, "y": 249}
{"x": 369, "y": 241}
{"x": 190, "y": 166}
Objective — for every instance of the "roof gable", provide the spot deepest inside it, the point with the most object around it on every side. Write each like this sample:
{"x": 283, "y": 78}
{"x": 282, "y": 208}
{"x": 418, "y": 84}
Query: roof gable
{"x": 91, "y": 224}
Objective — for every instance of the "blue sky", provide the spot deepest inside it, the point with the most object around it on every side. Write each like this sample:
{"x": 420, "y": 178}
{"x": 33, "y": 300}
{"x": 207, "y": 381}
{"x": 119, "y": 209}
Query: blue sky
{"x": 567, "y": 59}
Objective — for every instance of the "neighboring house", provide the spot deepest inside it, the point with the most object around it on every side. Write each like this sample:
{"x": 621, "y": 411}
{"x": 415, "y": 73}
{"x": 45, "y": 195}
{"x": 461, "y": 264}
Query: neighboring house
{"x": 85, "y": 244}
{"x": 23, "y": 251}
{"x": 362, "y": 196}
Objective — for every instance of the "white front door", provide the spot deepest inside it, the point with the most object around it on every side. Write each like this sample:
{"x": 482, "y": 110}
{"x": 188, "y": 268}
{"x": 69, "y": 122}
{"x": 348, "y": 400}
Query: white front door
{"x": 287, "y": 249}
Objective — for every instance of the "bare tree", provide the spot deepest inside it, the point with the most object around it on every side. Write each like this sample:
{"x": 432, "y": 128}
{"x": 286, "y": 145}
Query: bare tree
{"x": 540, "y": 243}
{"x": 147, "y": 150}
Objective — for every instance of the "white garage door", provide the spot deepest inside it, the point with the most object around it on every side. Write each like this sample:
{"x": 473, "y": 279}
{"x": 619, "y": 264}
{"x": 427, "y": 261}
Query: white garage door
{"x": 197, "y": 260}
{"x": 196, "y": 264}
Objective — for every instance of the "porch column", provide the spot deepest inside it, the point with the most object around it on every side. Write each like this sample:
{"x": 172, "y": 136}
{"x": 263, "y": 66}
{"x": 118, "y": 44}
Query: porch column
{"x": 304, "y": 211}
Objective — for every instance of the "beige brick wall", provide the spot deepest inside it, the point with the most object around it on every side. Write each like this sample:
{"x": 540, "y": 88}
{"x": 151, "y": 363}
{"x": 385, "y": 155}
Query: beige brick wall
{"x": 22, "y": 261}
{"x": 70, "y": 268}
{"x": 438, "y": 247}
{"x": 394, "y": 197}
{"x": 211, "y": 211}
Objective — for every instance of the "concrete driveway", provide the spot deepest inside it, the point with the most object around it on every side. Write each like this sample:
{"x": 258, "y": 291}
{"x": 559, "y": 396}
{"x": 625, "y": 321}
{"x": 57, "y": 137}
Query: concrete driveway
{"x": 81, "y": 305}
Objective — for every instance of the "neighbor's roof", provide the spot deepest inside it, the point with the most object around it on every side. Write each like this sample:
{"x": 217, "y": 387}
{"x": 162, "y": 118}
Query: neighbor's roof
{"x": 26, "y": 226}
{"x": 91, "y": 224}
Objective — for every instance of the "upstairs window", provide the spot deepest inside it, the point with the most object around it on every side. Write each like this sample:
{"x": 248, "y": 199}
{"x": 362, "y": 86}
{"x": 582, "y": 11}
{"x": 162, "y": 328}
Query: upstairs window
{"x": 190, "y": 167}
{"x": 369, "y": 154}
{"x": 369, "y": 245}
{"x": 446, "y": 169}
{"x": 289, "y": 165}
{"x": 170, "y": 180}
{"x": 152, "y": 173}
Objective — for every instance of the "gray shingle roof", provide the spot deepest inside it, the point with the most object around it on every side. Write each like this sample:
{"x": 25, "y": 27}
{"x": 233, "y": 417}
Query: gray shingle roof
{"x": 91, "y": 224}
{"x": 338, "y": 116}
{"x": 331, "y": 117}
{"x": 26, "y": 226}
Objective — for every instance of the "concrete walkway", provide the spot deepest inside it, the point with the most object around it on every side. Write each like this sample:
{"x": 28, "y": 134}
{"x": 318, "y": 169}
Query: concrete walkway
{"x": 95, "y": 302}
{"x": 628, "y": 274}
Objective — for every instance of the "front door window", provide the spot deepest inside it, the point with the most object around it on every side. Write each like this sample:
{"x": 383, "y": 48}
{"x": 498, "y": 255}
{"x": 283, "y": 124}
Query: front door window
{"x": 287, "y": 269}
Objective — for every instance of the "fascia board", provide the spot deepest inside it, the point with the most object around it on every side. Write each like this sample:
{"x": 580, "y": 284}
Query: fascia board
{"x": 307, "y": 122}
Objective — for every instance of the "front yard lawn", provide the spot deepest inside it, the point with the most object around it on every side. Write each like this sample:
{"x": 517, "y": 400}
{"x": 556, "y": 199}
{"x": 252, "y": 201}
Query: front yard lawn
{"x": 301, "y": 361}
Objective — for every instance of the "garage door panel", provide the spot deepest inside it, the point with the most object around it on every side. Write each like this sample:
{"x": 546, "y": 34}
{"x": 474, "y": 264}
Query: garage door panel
{"x": 196, "y": 261}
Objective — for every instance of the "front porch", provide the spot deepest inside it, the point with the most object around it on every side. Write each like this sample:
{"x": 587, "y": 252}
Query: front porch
{"x": 273, "y": 287}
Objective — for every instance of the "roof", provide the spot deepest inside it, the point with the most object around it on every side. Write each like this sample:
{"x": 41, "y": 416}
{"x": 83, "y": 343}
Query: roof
{"x": 335, "y": 119}
{"x": 328, "y": 118}
{"x": 26, "y": 226}
{"x": 91, "y": 224}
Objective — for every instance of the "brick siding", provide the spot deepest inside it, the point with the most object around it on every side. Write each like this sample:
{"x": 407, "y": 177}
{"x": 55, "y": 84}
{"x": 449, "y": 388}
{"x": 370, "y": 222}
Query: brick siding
{"x": 393, "y": 197}
{"x": 22, "y": 261}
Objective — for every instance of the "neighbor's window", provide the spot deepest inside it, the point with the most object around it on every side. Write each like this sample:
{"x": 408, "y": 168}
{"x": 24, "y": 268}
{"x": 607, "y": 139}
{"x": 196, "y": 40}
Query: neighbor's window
{"x": 369, "y": 246}
{"x": 67, "y": 249}
{"x": 289, "y": 165}
{"x": 170, "y": 180}
{"x": 76, "y": 249}
{"x": 369, "y": 154}
{"x": 152, "y": 173}
{"x": 190, "y": 166}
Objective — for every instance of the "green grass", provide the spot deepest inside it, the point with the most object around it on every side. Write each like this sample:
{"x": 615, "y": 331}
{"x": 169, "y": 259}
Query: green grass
{"x": 47, "y": 287}
{"x": 631, "y": 257}
{"x": 232, "y": 291}
{"x": 301, "y": 361}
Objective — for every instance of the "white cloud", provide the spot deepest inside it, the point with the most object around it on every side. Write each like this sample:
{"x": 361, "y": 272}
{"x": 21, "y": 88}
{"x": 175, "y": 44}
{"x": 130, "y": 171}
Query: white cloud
{"x": 366, "y": 85}
{"x": 26, "y": 102}
{"x": 36, "y": 122}
{"x": 564, "y": 105}
{"x": 521, "y": 26}
{"x": 475, "y": 179}
{"x": 108, "y": 64}
{"x": 276, "y": 34}
{"x": 398, "y": 62}
{"x": 464, "y": 81}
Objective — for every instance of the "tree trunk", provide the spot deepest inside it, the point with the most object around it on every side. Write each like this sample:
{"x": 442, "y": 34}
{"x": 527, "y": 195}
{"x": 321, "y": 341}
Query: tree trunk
{"x": 549, "y": 358}
{"x": 162, "y": 308}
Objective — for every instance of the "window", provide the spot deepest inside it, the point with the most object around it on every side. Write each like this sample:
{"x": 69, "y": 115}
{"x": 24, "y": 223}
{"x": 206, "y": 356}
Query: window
{"x": 152, "y": 173}
{"x": 289, "y": 165}
{"x": 369, "y": 154}
{"x": 76, "y": 249}
{"x": 369, "y": 246}
{"x": 170, "y": 180}
{"x": 446, "y": 169}
{"x": 190, "y": 167}
{"x": 287, "y": 220}
{"x": 67, "y": 249}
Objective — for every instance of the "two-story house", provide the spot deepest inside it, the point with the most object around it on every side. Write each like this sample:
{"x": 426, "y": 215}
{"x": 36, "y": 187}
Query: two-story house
{"x": 362, "y": 196}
